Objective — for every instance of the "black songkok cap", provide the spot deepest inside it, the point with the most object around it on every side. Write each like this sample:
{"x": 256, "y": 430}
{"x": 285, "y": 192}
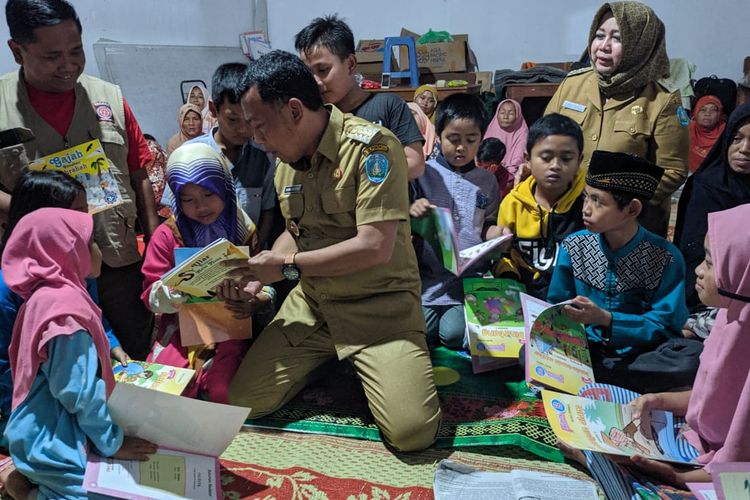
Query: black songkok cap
{"x": 624, "y": 173}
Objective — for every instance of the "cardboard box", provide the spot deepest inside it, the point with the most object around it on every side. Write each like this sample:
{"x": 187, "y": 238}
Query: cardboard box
{"x": 442, "y": 57}
{"x": 369, "y": 54}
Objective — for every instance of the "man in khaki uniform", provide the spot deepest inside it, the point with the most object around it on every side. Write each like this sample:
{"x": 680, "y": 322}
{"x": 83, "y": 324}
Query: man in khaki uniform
{"x": 342, "y": 186}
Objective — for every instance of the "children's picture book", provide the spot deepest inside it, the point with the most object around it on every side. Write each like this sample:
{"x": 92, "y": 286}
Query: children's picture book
{"x": 88, "y": 164}
{"x": 705, "y": 491}
{"x": 153, "y": 376}
{"x": 494, "y": 322}
{"x": 731, "y": 480}
{"x": 438, "y": 231}
{"x": 201, "y": 272}
{"x": 186, "y": 464}
{"x": 557, "y": 353}
{"x": 601, "y": 426}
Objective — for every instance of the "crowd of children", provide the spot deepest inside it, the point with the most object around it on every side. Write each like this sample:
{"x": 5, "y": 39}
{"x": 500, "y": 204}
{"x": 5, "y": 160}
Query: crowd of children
{"x": 647, "y": 304}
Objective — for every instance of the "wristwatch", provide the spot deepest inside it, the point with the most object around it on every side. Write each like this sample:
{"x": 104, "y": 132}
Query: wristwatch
{"x": 290, "y": 269}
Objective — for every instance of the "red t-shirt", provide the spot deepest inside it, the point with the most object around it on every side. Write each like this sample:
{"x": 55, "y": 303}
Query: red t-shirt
{"x": 57, "y": 111}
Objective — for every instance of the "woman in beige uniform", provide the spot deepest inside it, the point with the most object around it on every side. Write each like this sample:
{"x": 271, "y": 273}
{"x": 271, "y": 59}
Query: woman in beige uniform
{"x": 623, "y": 105}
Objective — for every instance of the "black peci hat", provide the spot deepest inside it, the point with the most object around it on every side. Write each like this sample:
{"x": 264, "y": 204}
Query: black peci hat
{"x": 623, "y": 172}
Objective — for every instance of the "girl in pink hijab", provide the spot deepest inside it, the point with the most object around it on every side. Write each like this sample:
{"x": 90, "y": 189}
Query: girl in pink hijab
{"x": 509, "y": 126}
{"x": 428, "y": 131}
{"x": 717, "y": 409}
{"x": 59, "y": 355}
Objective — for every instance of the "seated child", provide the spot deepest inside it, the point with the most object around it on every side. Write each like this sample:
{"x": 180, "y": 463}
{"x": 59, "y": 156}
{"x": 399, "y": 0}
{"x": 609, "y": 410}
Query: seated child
{"x": 205, "y": 209}
{"x": 546, "y": 207}
{"x": 509, "y": 126}
{"x": 453, "y": 181}
{"x": 59, "y": 356}
{"x": 627, "y": 284}
{"x": 490, "y": 158}
{"x": 36, "y": 190}
{"x": 717, "y": 409}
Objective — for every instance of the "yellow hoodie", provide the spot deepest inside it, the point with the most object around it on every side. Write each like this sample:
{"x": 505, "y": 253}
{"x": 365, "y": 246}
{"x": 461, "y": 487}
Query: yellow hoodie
{"x": 538, "y": 232}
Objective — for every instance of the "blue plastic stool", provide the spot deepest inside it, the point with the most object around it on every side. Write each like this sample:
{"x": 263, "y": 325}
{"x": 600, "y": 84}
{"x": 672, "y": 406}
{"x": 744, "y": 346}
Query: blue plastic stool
{"x": 412, "y": 72}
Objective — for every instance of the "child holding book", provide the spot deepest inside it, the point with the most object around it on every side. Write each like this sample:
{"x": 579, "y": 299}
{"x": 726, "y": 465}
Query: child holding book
{"x": 626, "y": 284}
{"x": 59, "y": 356}
{"x": 544, "y": 208}
{"x": 204, "y": 210}
{"x": 453, "y": 181}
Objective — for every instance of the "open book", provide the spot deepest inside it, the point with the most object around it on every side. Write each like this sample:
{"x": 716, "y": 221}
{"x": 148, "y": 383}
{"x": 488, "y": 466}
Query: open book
{"x": 87, "y": 164}
{"x": 590, "y": 424}
{"x": 494, "y": 322}
{"x": 186, "y": 464}
{"x": 200, "y": 273}
{"x": 557, "y": 352}
{"x": 438, "y": 230}
{"x": 153, "y": 376}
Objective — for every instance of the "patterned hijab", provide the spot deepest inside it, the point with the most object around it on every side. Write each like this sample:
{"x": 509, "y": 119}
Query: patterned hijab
{"x": 719, "y": 408}
{"x": 45, "y": 262}
{"x": 644, "y": 51}
{"x": 200, "y": 164}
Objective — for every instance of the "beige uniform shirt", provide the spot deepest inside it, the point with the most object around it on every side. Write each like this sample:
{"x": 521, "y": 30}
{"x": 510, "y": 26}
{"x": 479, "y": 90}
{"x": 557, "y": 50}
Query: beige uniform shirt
{"x": 357, "y": 176}
{"x": 651, "y": 124}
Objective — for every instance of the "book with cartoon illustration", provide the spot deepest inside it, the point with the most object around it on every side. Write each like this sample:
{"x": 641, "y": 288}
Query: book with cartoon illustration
{"x": 438, "y": 230}
{"x": 153, "y": 376}
{"x": 200, "y": 273}
{"x": 494, "y": 322}
{"x": 601, "y": 426}
{"x": 557, "y": 354}
{"x": 87, "y": 164}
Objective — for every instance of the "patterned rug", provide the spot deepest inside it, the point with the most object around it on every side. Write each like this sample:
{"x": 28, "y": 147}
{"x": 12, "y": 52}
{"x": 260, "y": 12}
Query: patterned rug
{"x": 303, "y": 466}
{"x": 493, "y": 408}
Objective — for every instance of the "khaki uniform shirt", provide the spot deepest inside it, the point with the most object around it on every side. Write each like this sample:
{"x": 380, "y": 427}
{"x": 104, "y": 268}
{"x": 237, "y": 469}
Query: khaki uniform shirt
{"x": 357, "y": 176}
{"x": 651, "y": 124}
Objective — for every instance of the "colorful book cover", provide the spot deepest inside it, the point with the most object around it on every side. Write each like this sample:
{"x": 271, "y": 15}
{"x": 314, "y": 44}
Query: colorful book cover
{"x": 557, "y": 352}
{"x": 494, "y": 322}
{"x": 202, "y": 272}
{"x": 88, "y": 164}
{"x": 153, "y": 376}
{"x": 601, "y": 426}
{"x": 438, "y": 230}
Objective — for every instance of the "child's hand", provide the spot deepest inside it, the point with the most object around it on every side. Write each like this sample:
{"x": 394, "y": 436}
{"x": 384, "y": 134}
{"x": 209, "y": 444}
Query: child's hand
{"x": 134, "y": 448}
{"x": 420, "y": 208}
{"x": 498, "y": 231}
{"x": 585, "y": 311}
{"x": 118, "y": 354}
{"x": 523, "y": 172}
{"x": 642, "y": 407}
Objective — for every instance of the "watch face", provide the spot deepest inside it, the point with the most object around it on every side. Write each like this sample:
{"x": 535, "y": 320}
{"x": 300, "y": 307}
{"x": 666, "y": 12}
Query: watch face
{"x": 290, "y": 272}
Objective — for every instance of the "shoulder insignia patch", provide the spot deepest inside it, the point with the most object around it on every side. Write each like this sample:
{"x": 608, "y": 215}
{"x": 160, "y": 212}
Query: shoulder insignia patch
{"x": 682, "y": 116}
{"x": 580, "y": 71}
{"x": 103, "y": 112}
{"x": 377, "y": 167}
{"x": 361, "y": 132}
{"x": 374, "y": 149}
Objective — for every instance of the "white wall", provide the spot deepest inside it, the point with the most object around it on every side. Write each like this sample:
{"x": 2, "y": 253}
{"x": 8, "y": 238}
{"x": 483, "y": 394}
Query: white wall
{"x": 157, "y": 22}
{"x": 711, "y": 34}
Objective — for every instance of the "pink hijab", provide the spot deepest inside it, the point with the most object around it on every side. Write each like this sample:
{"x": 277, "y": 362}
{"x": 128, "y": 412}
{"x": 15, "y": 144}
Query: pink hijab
{"x": 426, "y": 127}
{"x": 719, "y": 408}
{"x": 514, "y": 138}
{"x": 45, "y": 262}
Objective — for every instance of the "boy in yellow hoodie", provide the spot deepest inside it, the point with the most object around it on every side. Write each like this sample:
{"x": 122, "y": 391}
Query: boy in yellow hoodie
{"x": 546, "y": 207}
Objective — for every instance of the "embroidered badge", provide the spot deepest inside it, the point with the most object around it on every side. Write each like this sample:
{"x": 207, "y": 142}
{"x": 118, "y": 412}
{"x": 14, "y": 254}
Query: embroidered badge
{"x": 362, "y": 132}
{"x": 682, "y": 116}
{"x": 375, "y": 148}
{"x": 103, "y": 112}
{"x": 377, "y": 167}
{"x": 293, "y": 189}
{"x": 637, "y": 109}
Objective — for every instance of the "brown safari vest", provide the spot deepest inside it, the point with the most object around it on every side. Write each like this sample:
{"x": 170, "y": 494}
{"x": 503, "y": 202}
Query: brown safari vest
{"x": 98, "y": 114}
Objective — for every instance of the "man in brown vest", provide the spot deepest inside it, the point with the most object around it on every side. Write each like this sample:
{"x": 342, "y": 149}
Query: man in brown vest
{"x": 61, "y": 107}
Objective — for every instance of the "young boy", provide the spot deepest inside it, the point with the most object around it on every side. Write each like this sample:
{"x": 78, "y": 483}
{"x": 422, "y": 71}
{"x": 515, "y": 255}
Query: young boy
{"x": 453, "y": 181}
{"x": 627, "y": 284}
{"x": 326, "y": 45}
{"x": 252, "y": 171}
{"x": 546, "y": 207}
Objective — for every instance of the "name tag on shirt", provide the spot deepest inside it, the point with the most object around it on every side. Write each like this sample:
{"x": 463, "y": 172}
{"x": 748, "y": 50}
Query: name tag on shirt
{"x": 574, "y": 106}
{"x": 293, "y": 189}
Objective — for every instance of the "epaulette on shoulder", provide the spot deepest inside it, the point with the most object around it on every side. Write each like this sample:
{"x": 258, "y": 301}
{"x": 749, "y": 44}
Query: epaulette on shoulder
{"x": 667, "y": 84}
{"x": 580, "y": 71}
{"x": 362, "y": 132}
